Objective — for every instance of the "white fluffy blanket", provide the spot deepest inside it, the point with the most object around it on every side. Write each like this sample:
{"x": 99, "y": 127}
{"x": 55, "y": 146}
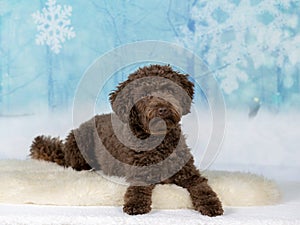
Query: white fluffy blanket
{"x": 38, "y": 182}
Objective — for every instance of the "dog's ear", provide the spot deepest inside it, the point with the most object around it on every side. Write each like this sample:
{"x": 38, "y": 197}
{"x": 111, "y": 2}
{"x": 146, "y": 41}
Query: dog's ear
{"x": 188, "y": 87}
{"x": 121, "y": 101}
{"x": 181, "y": 79}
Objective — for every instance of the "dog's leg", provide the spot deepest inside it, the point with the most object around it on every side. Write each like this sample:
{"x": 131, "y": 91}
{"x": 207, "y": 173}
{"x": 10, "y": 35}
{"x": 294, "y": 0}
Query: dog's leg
{"x": 138, "y": 199}
{"x": 204, "y": 199}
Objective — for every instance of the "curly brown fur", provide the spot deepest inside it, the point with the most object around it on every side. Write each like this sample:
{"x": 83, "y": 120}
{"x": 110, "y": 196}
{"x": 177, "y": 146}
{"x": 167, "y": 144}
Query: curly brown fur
{"x": 138, "y": 200}
{"x": 48, "y": 149}
{"x": 149, "y": 112}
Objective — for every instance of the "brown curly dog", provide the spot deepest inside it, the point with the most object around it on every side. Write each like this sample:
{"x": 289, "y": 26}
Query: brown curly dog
{"x": 141, "y": 141}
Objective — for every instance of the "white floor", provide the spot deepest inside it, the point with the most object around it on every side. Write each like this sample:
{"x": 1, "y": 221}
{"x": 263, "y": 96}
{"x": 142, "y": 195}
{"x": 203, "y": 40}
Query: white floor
{"x": 286, "y": 213}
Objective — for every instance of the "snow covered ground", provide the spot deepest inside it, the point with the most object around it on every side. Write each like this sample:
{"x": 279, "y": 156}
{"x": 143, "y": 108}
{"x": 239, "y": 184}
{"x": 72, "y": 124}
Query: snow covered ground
{"x": 283, "y": 214}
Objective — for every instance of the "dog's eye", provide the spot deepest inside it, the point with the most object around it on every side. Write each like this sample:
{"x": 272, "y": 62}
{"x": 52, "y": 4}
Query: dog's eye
{"x": 146, "y": 92}
{"x": 168, "y": 88}
{"x": 171, "y": 90}
{"x": 122, "y": 110}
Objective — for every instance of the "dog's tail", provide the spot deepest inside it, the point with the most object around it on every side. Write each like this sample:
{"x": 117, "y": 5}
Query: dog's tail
{"x": 48, "y": 149}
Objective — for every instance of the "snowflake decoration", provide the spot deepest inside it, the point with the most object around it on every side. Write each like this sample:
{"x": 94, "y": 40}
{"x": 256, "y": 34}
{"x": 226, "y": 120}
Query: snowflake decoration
{"x": 228, "y": 35}
{"x": 53, "y": 25}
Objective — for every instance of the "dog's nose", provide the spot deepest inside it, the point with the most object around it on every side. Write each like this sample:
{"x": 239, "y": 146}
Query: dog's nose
{"x": 163, "y": 111}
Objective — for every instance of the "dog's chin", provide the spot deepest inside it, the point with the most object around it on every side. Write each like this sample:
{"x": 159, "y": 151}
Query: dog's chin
{"x": 158, "y": 127}
{"x": 158, "y": 132}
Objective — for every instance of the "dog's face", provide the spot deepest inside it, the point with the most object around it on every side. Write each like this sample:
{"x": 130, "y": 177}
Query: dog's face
{"x": 153, "y": 99}
{"x": 154, "y": 115}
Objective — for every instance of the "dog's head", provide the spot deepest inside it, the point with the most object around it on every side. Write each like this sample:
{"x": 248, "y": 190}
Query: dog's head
{"x": 153, "y": 99}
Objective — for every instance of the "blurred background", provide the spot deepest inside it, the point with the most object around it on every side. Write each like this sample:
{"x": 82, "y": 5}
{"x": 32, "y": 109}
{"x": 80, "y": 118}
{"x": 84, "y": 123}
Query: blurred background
{"x": 252, "y": 48}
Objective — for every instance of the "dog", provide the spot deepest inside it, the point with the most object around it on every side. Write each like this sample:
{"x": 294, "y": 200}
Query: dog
{"x": 141, "y": 141}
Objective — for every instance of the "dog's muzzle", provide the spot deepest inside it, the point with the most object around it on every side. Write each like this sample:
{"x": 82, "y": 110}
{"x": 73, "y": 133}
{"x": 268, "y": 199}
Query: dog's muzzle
{"x": 163, "y": 119}
{"x": 157, "y": 126}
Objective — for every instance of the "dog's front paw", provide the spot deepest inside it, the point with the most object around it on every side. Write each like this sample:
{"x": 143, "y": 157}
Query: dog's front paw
{"x": 210, "y": 207}
{"x": 135, "y": 209}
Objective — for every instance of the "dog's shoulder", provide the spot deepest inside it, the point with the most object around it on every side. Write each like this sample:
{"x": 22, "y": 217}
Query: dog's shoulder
{"x": 97, "y": 122}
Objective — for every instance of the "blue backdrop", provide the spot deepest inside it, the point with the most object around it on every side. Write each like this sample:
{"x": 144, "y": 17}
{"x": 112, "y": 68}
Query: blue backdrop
{"x": 252, "y": 46}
